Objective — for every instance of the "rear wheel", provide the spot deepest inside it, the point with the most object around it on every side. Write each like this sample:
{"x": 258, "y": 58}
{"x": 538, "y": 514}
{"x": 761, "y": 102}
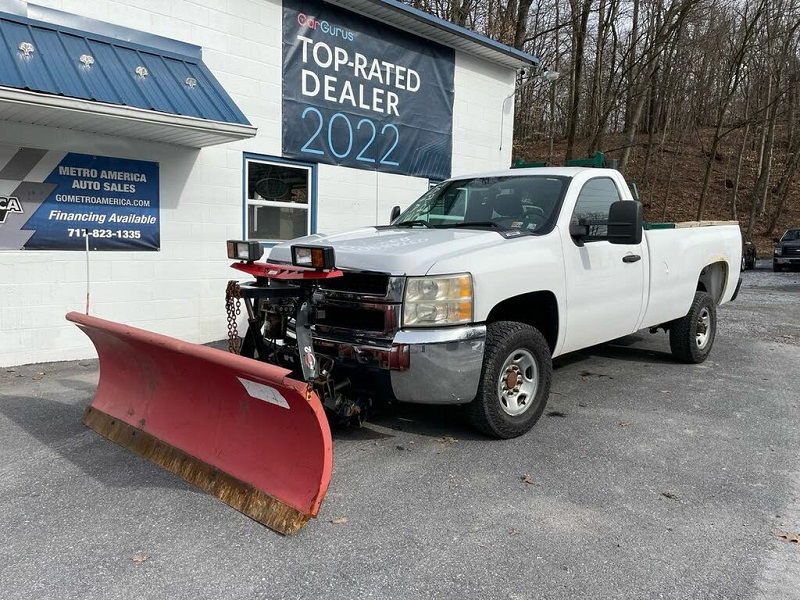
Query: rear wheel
{"x": 691, "y": 337}
{"x": 515, "y": 380}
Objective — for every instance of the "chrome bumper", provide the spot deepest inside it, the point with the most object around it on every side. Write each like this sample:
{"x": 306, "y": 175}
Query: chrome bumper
{"x": 444, "y": 364}
{"x": 425, "y": 366}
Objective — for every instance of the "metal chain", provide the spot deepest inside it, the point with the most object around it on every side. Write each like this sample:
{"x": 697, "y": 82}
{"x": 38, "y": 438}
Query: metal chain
{"x": 232, "y": 307}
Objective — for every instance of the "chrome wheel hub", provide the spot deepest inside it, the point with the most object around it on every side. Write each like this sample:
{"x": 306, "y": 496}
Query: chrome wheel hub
{"x": 518, "y": 382}
{"x": 703, "y": 328}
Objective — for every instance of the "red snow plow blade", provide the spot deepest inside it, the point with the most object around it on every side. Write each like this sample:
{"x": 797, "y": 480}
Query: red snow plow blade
{"x": 239, "y": 429}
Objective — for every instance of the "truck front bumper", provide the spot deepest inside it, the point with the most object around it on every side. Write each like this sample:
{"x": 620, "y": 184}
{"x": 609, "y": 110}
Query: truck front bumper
{"x": 444, "y": 364}
{"x": 426, "y": 366}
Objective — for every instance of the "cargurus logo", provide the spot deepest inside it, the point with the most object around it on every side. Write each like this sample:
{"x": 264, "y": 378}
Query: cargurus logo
{"x": 305, "y": 20}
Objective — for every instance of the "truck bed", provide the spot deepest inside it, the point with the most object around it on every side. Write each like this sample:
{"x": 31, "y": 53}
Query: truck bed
{"x": 677, "y": 253}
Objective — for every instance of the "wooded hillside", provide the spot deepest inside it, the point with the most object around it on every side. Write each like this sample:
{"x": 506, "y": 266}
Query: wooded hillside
{"x": 698, "y": 99}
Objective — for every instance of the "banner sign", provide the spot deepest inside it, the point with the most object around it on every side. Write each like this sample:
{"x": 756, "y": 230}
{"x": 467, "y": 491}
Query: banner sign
{"x": 362, "y": 94}
{"x": 52, "y": 200}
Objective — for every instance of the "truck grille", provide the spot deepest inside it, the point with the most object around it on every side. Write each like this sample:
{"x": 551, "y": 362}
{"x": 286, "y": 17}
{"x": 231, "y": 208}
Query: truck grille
{"x": 372, "y": 284}
{"x": 356, "y": 318}
{"x": 791, "y": 251}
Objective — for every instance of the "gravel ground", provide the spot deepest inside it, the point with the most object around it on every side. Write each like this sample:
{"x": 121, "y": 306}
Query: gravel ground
{"x": 647, "y": 479}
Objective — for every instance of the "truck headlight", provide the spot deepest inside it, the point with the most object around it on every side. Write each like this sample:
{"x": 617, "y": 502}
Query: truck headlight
{"x": 778, "y": 251}
{"x": 438, "y": 300}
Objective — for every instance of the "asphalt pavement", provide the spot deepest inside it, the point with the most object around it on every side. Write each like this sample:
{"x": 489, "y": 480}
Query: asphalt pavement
{"x": 645, "y": 479}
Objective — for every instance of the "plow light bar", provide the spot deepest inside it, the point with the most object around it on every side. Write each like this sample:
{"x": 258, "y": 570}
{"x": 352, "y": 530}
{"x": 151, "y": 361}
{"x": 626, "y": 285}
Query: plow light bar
{"x": 243, "y": 250}
{"x": 316, "y": 257}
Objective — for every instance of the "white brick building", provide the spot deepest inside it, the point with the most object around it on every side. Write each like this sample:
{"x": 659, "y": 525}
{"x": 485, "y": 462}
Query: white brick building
{"x": 222, "y": 178}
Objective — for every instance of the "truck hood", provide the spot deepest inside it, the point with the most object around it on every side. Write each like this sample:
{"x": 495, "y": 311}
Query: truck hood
{"x": 397, "y": 251}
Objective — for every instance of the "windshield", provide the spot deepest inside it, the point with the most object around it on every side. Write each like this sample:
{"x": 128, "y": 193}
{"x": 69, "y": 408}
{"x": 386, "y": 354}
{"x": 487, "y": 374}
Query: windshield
{"x": 519, "y": 202}
{"x": 791, "y": 236}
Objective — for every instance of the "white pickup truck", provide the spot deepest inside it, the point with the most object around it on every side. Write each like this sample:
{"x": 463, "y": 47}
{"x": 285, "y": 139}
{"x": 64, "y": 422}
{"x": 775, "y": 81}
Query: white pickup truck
{"x": 469, "y": 293}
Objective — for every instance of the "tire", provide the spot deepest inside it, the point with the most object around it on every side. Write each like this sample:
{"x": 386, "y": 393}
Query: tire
{"x": 516, "y": 355}
{"x": 687, "y": 340}
{"x": 776, "y": 267}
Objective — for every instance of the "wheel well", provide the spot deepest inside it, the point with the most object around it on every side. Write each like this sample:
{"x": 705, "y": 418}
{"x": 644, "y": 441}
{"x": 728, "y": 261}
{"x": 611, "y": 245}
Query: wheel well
{"x": 713, "y": 279}
{"x": 539, "y": 309}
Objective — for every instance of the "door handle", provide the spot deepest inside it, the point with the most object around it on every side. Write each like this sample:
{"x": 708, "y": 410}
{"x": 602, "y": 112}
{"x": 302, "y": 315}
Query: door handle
{"x": 631, "y": 258}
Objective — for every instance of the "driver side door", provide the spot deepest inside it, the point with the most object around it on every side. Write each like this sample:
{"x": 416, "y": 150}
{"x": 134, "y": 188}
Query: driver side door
{"x": 604, "y": 281}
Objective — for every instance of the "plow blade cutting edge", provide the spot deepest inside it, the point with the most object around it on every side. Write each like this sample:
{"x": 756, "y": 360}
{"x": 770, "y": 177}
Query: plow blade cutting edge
{"x": 240, "y": 429}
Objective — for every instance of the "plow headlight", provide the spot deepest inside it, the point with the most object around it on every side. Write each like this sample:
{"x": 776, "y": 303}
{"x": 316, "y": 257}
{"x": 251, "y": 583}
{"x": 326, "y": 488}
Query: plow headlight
{"x": 442, "y": 300}
{"x": 243, "y": 250}
{"x": 315, "y": 257}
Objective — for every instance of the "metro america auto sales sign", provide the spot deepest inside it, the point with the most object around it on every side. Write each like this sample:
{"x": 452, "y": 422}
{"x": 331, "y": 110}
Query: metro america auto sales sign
{"x": 54, "y": 200}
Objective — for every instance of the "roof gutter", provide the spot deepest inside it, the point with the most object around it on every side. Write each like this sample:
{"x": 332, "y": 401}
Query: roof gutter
{"x": 24, "y": 106}
{"x": 518, "y": 57}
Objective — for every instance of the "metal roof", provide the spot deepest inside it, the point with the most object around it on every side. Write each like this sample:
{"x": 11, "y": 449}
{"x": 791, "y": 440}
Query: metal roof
{"x": 413, "y": 20}
{"x": 52, "y": 59}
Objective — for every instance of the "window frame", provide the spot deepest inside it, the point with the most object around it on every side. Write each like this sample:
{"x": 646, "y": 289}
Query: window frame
{"x": 310, "y": 208}
{"x": 590, "y": 239}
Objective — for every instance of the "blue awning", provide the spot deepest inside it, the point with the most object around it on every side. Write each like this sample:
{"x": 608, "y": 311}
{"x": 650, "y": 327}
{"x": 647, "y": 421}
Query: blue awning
{"x": 54, "y": 60}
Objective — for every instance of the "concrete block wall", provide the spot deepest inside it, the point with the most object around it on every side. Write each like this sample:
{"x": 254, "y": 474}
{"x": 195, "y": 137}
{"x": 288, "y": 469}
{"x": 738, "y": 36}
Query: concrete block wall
{"x": 481, "y": 137}
{"x": 179, "y": 290}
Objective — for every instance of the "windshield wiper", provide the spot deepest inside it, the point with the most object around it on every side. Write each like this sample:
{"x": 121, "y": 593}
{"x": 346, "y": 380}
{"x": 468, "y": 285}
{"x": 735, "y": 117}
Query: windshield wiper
{"x": 412, "y": 223}
{"x": 491, "y": 224}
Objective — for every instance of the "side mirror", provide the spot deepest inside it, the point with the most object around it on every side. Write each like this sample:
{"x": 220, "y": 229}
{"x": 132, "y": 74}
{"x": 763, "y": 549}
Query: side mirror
{"x": 776, "y": 240}
{"x": 395, "y": 213}
{"x": 579, "y": 232}
{"x": 625, "y": 222}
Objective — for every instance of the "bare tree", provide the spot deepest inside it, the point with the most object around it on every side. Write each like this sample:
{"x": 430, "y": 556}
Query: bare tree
{"x": 732, "y": 79}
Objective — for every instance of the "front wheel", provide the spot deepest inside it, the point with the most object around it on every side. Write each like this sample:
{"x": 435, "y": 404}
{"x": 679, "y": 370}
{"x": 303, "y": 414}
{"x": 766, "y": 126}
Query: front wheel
{"x": 691, "y": 337}
{"x": 515, "y": 380}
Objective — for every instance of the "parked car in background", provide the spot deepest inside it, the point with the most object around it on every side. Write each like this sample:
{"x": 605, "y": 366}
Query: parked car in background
{"x": 787, "y": 250}
{"x": 748, "y": 254}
